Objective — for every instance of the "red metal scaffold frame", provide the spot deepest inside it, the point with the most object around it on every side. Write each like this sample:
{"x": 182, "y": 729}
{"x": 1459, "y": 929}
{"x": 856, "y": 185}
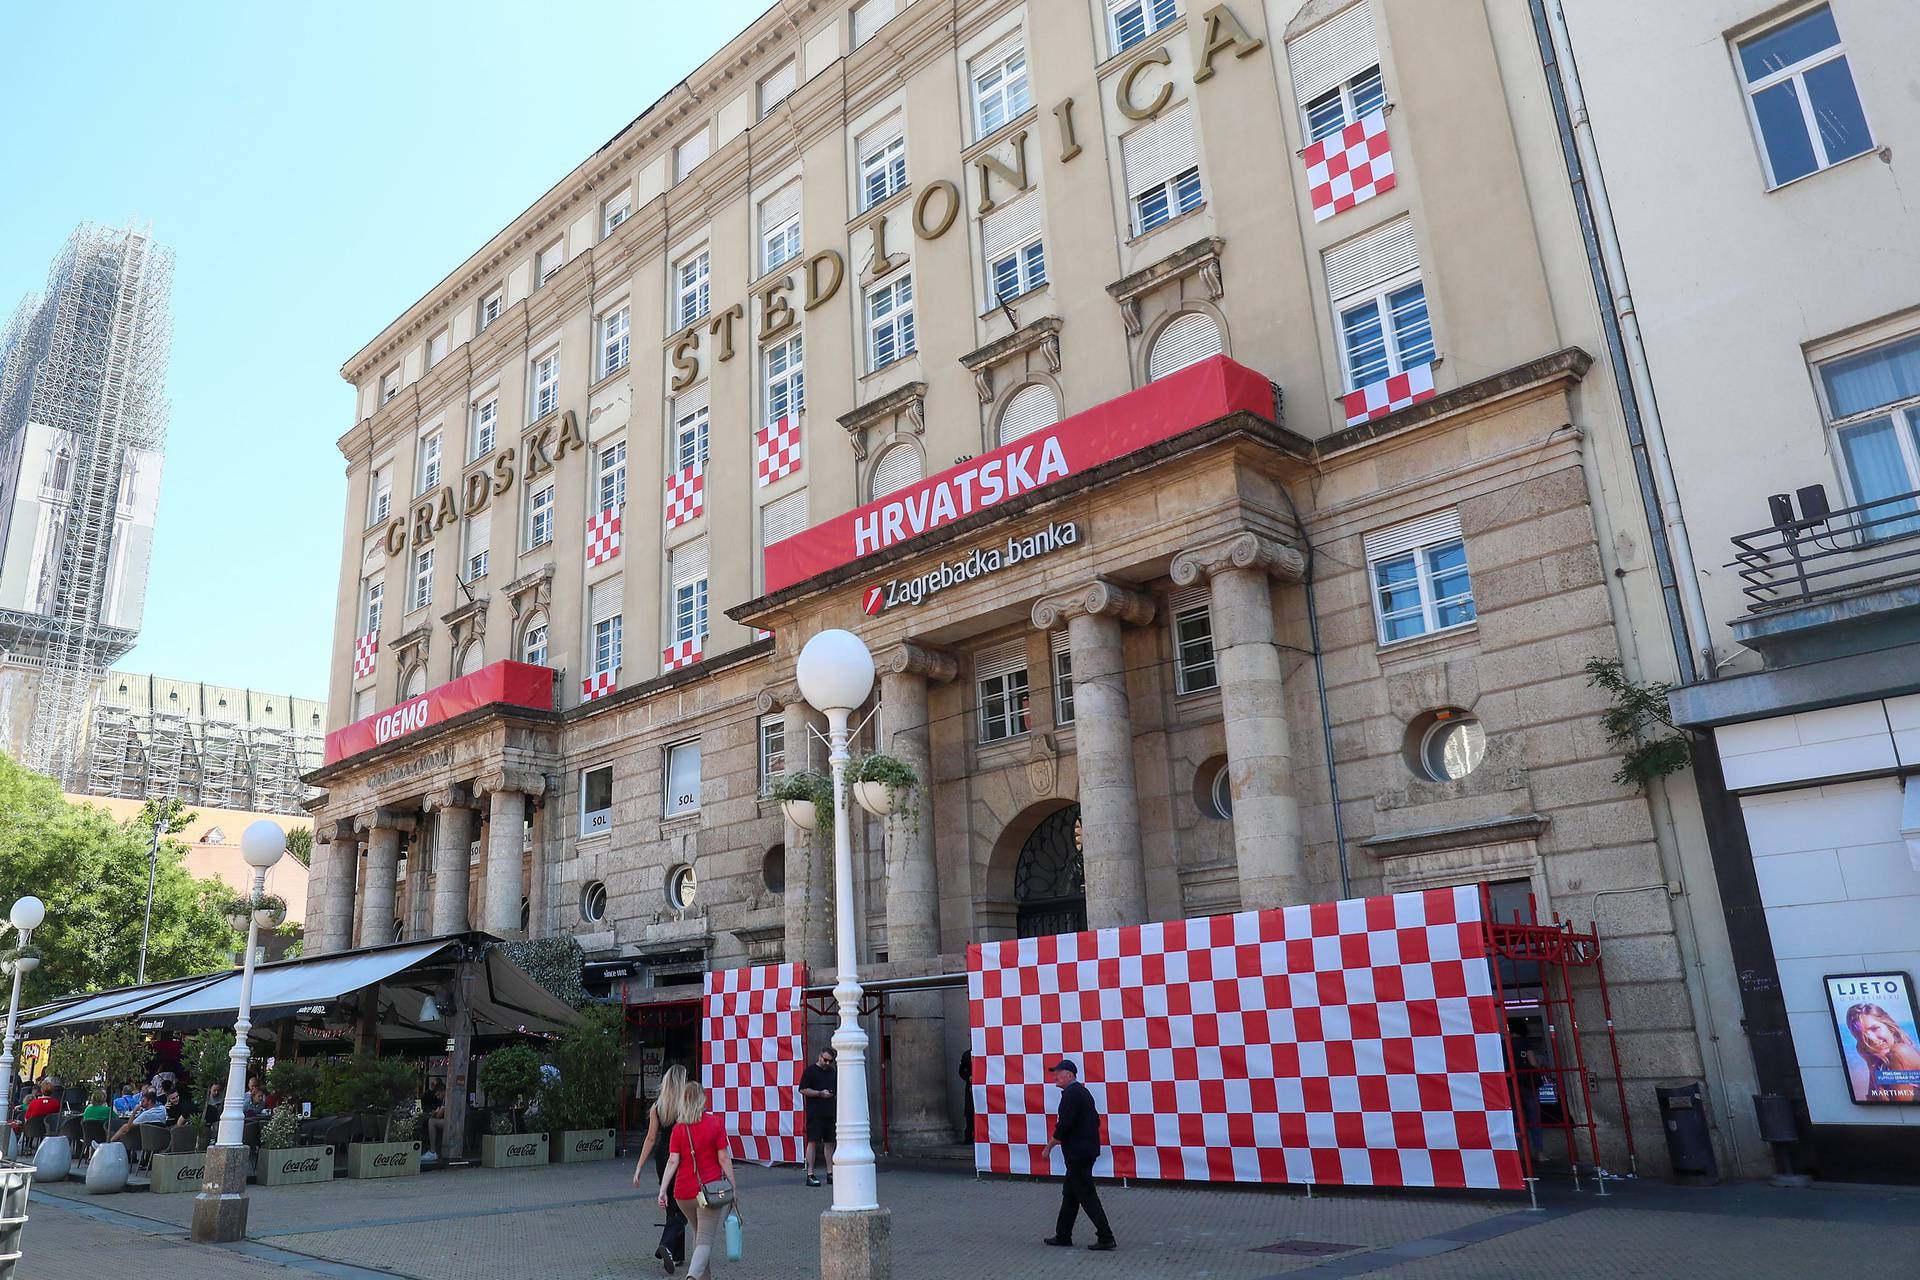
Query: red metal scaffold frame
{"x": 1556, "y": 949}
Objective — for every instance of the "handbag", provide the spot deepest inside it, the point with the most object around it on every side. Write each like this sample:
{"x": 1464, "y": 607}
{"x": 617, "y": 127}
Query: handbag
{"x": 735, "y": 1240}
{"x": 714, "y": 1194}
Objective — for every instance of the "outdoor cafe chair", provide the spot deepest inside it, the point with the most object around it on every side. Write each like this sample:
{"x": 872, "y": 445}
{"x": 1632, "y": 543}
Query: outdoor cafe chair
{"x": 30, "y": 1138}
{"x": 180, "y": 1139}
{"x": 93, "y": 1133}
{"x": 153, "y": 1142}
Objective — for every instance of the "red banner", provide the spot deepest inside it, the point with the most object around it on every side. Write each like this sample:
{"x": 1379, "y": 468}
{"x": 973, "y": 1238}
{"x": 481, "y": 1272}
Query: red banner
{"x": 518, "y": 684}
{"x": 1179, "y": 402}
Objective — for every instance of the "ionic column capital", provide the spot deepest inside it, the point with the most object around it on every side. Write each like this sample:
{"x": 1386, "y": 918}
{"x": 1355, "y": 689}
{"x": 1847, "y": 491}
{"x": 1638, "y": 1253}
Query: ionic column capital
{"x": 458, "y": 795}
{"x": 394, "y": 819}
{"x": 1243, "y": 550}
{"x": 1099, "y": 598}
{"x": 778, "y": 698}
{"x": 527, "y": 782}
{"x": 910, "y": 659}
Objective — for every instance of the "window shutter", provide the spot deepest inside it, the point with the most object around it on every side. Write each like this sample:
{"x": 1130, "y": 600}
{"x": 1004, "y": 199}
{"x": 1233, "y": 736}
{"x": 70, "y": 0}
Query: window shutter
{"x": 605, "y": 599}
{"x": 1159, "y": 149}
{"x": 783, "y": 517}
{"x": 1188, "y": 339}
{"x": 1030, "y": 409}
{"x": 1000, "y": 659}
{"x": 689, "y": 154}
{"x": 1187, "y": 598}
{"x": 777, "y": 86}
{"x": 869, "y": 18}
{"x": 1366, "y": 261}
{"x": 688, "y": 403}
{"x": 779, "y": 206}
{"x": 1010, "y": 226}
{"x": 882, "y": 134}
{"x": 995, "y": 56}
{"x": 1332, "y": 53}
{"x": 897, "y": 468}
{"x": 689, "y": 562}
{"x": 479, "y": 532}
{"x": 1441, "y": 526}
{"x": 1061, "y": 641}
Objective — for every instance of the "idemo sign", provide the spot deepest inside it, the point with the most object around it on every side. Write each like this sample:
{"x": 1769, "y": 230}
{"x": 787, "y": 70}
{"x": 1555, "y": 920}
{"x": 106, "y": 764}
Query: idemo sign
{"x": 1158, "y": 411}
{"x": 518, "y": 684}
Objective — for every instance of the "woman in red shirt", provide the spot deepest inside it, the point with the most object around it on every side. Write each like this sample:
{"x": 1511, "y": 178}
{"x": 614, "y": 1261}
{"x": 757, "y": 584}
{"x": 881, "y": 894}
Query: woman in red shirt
{"x": 698, "y": 1154}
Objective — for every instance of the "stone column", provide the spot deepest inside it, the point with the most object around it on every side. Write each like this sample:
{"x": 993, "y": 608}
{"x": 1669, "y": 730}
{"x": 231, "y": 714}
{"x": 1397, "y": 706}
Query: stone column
{"x": 383, "y": 863}
{"x": 1103, "y": 733}
{"x": 1253, "y": 703}
{"x": 454, "y": 819}
{"x": 539, "y": 826}
{"x": 918, "y": 1069}
{"x": 807, "y": 901}
{"x": 506, "y": 850}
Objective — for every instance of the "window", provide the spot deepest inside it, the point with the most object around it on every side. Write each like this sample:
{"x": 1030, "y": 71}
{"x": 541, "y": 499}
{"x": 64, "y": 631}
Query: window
{"x": 593, "y": 902}
{"x": 546, "y": 385}
{"x": 1193, "y": 666}
{"x": 606, "y": 600}
{"x": 777, "y": 86}
{"x": 1335, "y": 69}
{"x": 1801, "y": 97}
{"x": 552, "y": 258}
{"x": 682, "y": 888}
{"x": 1213, "y": 790}
{"x": 780, "y": 228}
{"x": 890, "y": 322}
{"x": 486, "y": 421}
{"x": 786, "y": 380}
{"x": 613, "y": 342}
{"x": 490, "y": 308}
{"x": 1161, "y": 161}
{"x": 1019, "y": 272}
{"x": 683, "y": 779}
{"x": 372, "y": 594}
{"x": 1418, "y": 571}
{"x": 773, "y": 869}
{"x": 416, "y": 682}
{"x": 687, "y": 569}
{"x": 1187, "y": 339}
{"x": 773, "y": 751}
{"x": 613, "y": 475}
{"x": 688, "y": 155}
{"x": 1374, "y": 281}
{"x": 540, "y": 516}
{"x": 1339, "y": 107}
{"x": 1030, "y": 409}
{"x": 1010, "y": 243}
{"x": 429, "y": 463}
{"x": 437, "y": 348}
{"x": 478, "y": 538}
{"x": 533, "y": 646}
{"x": 615, "y": 211}
{"x": 883, "y": 163}
{"x": 783, "y": 517}
{"x": 1872, "y": 401}
{"x": 472, "y": 657}
{"x": 422, "y": 579}
{"x": 596, "y": 800}
{"x": 380, "y": 487}
{"x": 1452, "y": 746}
{"x": 389, "y": 385}
{"x": 895, "y": 469}
{"x": 1062, "y": 680}
{"x": 691, "y": 297}
{"x": 690, "y": 430}
{"x": 1131, "y": 21}
{"x": 868, "y": 18}
{"x": 1001, "y": 676}
{"x": 1000, "y": 90}
{"x": 362, "y": 704}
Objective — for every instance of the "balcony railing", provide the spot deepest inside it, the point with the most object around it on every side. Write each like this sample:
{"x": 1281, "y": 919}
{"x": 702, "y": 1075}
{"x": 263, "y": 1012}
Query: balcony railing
{"x": 1824, "y": 552}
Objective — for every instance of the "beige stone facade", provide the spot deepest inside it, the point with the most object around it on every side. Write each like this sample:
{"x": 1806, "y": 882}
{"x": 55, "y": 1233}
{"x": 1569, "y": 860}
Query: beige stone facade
{"x": 1206, "y": 574}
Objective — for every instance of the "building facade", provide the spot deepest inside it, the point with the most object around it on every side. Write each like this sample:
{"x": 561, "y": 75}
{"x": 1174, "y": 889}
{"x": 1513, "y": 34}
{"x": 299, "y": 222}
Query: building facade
{"x": 1786, "y": 129}
{"x": 1195, "y": 408}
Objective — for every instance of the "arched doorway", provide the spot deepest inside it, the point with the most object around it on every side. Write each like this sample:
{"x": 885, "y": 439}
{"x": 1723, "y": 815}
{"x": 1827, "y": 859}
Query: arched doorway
{"x": 1050, "y": 880}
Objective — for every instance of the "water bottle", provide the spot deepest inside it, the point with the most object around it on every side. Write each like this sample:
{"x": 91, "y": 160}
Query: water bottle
{"x": 734, "y": 1241}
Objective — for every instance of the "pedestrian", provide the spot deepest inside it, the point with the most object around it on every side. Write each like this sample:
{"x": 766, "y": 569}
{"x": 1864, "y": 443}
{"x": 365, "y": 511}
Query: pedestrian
{"x": 700, "y": 1169}
{"x": 1077, "y": 1133}
{"x": 966, "y": 1092}
{"x": 816, "y": 1091}
{"x": 662, "y": 1116}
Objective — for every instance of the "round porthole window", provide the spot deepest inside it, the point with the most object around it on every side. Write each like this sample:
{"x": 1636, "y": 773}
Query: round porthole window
{"x": 1452, "y": 747}
{"x": 682, "y": 887}
{"x": 593, "y": 902}
{"x": 1212, "y": 791}
{"x": 773, "y": 869}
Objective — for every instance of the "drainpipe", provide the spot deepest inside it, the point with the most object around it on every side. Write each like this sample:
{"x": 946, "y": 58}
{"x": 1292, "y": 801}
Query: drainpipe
{"x": 1660, "y": 495}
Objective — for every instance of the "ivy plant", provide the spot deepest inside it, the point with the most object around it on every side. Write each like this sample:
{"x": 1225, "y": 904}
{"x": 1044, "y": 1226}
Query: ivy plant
{"x": 1639, "y": 724}
{"x": 282, "y": 1130}
{"x": 552, "y": 962}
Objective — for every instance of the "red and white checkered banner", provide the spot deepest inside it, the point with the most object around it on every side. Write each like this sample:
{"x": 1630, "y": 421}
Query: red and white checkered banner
{"x": 603, "y": 536}
{"x": 1389, "y": 395}
{"x": 682, "y": 653}
{"x": 1356, "y": 1043}
{"x": 686, "y": 495}
{"x": 599, "y": 686}
{"x": 365, "y": 649}
{"x": 1350, "y": 166}
{"x": 753, "y": 1042}
{"x": 776, "y": 451}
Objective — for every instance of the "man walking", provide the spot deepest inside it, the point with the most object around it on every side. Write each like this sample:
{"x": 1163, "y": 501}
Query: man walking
{"x": 816, "y": 1087}
{"x": 1077, "y": 1133}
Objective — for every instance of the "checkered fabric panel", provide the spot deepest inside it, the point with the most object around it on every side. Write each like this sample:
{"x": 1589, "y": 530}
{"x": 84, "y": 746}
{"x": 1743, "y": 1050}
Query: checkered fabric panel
{"x": 753, "y": 1033}
{"x": 1355, "y": 1042}
{"x": 603, "y": 536}
{"x": 776, "y": 451}
{"x": 598, "y": 686}
{"x": 1350, "y": 166}
{"x": 365, "y": 649}
{"x": 686, "y": 495}
{"x": 1378, "y": 399}
{"x": 684, "y": 653}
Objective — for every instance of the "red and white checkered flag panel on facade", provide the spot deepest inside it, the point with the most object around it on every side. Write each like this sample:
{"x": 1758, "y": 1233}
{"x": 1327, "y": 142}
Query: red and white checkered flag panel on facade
{"x": 1356, "y": 1043}
{"x": 1350, "y": 166}
{"x": 365, "y": 649}
{"x": 1389, "y": 395}
{"x": 776, "y": 451}
{"x": 753, "y": 1038}
{"x": 682, "y": 653}
{"x": 598, "y": 686}
{"x": 686, "y": 495}
{"x": 603, "y": 536}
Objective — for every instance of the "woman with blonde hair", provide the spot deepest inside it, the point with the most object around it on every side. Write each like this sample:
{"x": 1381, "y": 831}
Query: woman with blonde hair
{"x": 1892, "y": 1058}
{"x": 700, "y": 1169}
{"x": 661, "y": 1117}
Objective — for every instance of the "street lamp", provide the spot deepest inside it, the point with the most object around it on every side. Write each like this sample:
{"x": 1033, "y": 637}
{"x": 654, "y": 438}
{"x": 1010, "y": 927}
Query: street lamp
{"x": 220, "y": 1210}
{"x": 835, "y": 672}
{"x": 26, "y": 916}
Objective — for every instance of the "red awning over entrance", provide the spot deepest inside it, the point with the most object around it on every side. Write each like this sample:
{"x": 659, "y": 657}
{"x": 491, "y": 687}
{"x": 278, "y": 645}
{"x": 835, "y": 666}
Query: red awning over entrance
{"x": 517, "y": 684}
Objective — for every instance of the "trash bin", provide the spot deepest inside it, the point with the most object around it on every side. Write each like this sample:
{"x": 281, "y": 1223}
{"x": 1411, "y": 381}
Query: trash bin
{"x": 1780, "y": 1129}
{"x": 1683, "y": 1116}
{"x": 15, "y": 1182}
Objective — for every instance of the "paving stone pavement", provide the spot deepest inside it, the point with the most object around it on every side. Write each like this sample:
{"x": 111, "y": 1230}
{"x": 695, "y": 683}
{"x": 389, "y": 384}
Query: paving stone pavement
{"x": 584, "y": 1222}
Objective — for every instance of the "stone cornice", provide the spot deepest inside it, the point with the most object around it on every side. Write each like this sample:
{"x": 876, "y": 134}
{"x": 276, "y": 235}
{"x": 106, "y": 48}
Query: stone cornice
{"x": 1042, "y": 335}
{"x": 908, "y": 658}
{"x": 908, "y": 398}
{"x": 407, "y": 641}
{"x": 1202, "y": 256}
{"x": 1560, "y": 368}
{"x": 538, "y": 584}
{"x": 1526, "y": 826}
{"x": 1100, "y": 598}
{"x": 474, "y": 610}
{"x": 1243, "y": 550}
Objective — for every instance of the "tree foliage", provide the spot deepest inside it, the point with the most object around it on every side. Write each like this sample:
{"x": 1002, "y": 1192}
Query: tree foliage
{"x": 300, "y": 845}
{"x": 114, "y": 1054}
{"x": 1639, "y": 724}
{"x": 206, "y": 1055}
{"x": 92, "y": 874}
{"x": 588, "y": 1057}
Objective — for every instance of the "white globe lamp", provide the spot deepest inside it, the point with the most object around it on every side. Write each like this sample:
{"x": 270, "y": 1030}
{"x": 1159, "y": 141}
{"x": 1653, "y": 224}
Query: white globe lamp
{"x": 835, "y": 671}
{"x": 28, "y": 913}
{"x": 262, "y": 844}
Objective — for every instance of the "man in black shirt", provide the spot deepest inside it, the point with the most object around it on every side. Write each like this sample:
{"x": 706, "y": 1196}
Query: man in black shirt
{"x": 1077, "y": 1134}
{"x": 816, "y": 1087}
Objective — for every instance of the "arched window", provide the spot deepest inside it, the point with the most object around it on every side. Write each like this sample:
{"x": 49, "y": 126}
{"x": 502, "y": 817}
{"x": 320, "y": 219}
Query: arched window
{"x": 470, "y": 658}
{"x": 533, "y": 641}
{"x": 1050, "y": 880}
{"x": 416, "y": 682}
{"x": 1031, "y": 408}
{"x": 62, "y": 469}
{"x": 1188, "y": 338}
{"x": 897, "y": 468}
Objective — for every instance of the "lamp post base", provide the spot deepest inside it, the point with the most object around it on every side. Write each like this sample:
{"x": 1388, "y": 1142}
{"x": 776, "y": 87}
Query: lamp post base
{"x": 220, "y": 1209}
{"x": 856, "y": 1244}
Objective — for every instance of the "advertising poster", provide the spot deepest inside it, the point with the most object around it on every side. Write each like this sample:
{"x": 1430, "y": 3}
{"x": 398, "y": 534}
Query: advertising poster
{"x": 1873, "y": 1018}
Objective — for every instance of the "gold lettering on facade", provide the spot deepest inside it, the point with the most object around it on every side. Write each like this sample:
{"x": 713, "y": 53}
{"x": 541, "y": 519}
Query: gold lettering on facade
{"x": 539, "y": 460}
{"x": 446, "y": 511}
{"x": 570, "y": 437}
{"x": 817, "y": 292}
{"x": 1223, "y": 33}
{"x": 776, "y": 317}
{"x": 477, "y": 488}
{"x": 423, "y": 523}
{"x": 934, "y": 230}
{"x": 1069, "y": 145}
{"x": 503, "y": 470}
{"x": 1123, "y": 93}
{"x": 686, "y": 362}
{"x": 722, "y": 327}
{"x": 882, "y": 261}
{"x": 1014, "y": 175}
{"x": 396, "y": 537}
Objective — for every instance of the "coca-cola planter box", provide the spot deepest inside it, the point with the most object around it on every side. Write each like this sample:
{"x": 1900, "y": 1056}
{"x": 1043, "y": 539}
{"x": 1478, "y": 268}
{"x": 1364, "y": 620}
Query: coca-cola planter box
{"x": 184, "y": 1171}
{"x": 511, "y": 1150}
{"x": 280, "y": 1166}
{"x": 586, "y": 1144}
{"x": 382, "y": 1159}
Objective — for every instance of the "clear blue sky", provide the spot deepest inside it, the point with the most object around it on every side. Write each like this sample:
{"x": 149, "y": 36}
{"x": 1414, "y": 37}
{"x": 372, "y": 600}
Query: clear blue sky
{"x": 315, "y": 168}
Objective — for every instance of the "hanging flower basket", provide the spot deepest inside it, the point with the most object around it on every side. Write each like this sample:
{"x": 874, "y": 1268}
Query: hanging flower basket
{"x": 269, "y": 911}
{"x": 801, "y": 813}
{"x": 807, "y": 800}
{"x": 875, "y": 797}
{"x": 20, "y": 959}
{"x": 884, "y": 785}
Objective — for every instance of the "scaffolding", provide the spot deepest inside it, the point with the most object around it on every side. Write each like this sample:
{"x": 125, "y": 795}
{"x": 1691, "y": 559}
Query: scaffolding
{"x": 88, "y": 361}
{"x": 138, "y": 754}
